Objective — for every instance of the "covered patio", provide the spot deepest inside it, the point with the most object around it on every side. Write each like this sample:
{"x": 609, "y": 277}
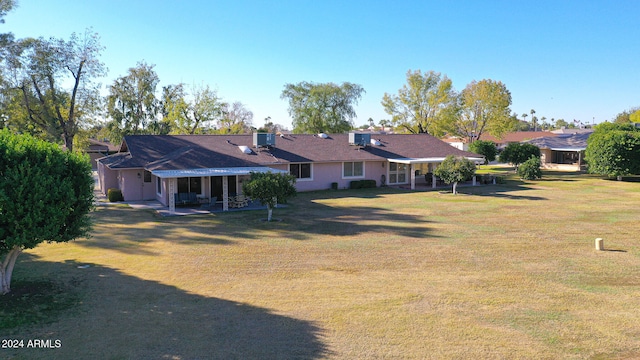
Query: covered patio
{"x": 218, "y": 176}
{"x": 423, "y": 166}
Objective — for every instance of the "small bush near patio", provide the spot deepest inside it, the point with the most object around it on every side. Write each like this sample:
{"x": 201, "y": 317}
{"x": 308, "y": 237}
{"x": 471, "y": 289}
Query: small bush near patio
{"x": 530, "y": 169}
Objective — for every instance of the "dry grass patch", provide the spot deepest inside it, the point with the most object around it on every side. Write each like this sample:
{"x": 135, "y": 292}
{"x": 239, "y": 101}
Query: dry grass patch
{"x": 496, "y": 272}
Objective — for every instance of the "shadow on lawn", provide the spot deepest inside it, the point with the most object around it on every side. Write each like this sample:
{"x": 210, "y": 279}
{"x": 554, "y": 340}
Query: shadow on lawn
{"x": 127, "y": 230}
{"x": 507, "y": 191}
{"x": 124, "y": 317}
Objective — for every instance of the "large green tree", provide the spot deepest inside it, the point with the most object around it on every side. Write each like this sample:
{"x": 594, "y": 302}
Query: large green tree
{"x": 517, "y": 153}
{"x": 48, "y": 86}
{"x": 326, "y": 107}
{"x": 270, "y": 188}
{"x": 132, "y": 105}
{"x": 422, "y": 104}
{"x": 486, "y": 148}
{"x": 455, "y": 169}
{"x": 483, "y": 106}
{"x": 46, "y": 194}
{"x": 614, "y": 150}
{"x": 193, "y": 113}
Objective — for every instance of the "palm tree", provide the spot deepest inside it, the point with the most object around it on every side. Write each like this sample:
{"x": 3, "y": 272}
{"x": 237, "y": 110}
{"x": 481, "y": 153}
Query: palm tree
{"x": 533, "y": 119}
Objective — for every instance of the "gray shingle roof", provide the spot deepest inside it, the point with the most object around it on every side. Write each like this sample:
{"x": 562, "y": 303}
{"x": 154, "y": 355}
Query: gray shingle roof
{"x": 572, "y": 142}
{"x": 173, "y": 152}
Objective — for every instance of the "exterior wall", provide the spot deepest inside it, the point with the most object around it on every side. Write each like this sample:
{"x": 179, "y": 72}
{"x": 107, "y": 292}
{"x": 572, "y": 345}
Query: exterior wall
{"x": 133, "y": 187}
{"x": 324, "y": 174}
{"x": 546, "y": 156}
{"x": 107, "y": 178}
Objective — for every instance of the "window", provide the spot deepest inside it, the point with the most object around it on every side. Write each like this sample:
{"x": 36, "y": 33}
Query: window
{"x": 398, "y": 173}
{"x": 353, "y": 169}
{"x": 159, "y": 185}
{"x": 300, "y": 171}
{"x": 147, "y": 176}
{"x": 191, "y": 184}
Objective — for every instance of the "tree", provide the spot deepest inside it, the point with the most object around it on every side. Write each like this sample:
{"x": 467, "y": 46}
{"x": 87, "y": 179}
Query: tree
{"x": 516, "y": 153}
{"x": 270, "y": 188}
{"x": 635, "y": 117}
{"x": 486, "y": 148}
{"x": 236, "y": 119}
{"x": 625, "y": 116}
{"x": 46, "y": 194}
{"x": 37, "y": 89}
{"x": 455, "y": 169}
{"x": 483, "y": 107}
{"x": 614, "y": 150}
{"x": 384, "y": 123}
{"x": 533, "y": 120}
{"x": 270, "y": 127}
{"x": 132, "y": 104}
{"x": 326, "y": 107}
{"x": 530, "y": 169}
{"x": 422, "y": 104}
{"x": 194, "y": 116}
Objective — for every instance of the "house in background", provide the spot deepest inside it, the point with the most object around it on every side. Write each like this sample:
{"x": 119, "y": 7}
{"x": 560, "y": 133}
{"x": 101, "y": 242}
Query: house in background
{"x": 516, "y": 137}
{"x": 565, "y": 151}
{"x": 99, "y": 149}
{"x": 155, "y": 167}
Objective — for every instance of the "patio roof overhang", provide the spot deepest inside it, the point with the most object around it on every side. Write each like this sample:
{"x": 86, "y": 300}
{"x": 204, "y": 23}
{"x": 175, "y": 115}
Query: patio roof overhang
{"x": 230, "y": 171}
{"x": 428, "y": 160}
{"x": 568, "y": 149}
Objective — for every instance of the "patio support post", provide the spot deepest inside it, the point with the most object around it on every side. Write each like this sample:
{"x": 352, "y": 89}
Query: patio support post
{"x": 413, "y": 177}
{"x": 225, "y": 193}
{"x": 172, "y": 197}
{"x": 433, "y": 181}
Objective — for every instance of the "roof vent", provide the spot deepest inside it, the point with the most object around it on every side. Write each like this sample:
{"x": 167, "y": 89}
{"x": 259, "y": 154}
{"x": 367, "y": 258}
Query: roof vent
{"x": 359, "y": 139}
{"x": 323, "y": 135}
{"x": 245, "y": 149}
{"x": 264, "y": 140}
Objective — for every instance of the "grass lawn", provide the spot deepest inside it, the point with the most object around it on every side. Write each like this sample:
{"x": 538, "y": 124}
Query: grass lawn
{"x": 497, "y": 272}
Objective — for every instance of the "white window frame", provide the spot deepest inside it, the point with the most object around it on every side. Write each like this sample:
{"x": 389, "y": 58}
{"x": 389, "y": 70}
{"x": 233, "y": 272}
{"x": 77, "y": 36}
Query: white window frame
{"x": 396, "y": 172}
{"x": 344, "y": 176}
{"x": 310, "y": 178}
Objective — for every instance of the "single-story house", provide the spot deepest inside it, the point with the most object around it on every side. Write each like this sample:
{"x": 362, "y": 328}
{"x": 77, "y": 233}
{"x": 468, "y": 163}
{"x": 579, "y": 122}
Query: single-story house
{"x": 563, "y": 151}
{"x": 99, "y": 149}
{"x": 516, "y": 137}
{"x": 155, "y": 167}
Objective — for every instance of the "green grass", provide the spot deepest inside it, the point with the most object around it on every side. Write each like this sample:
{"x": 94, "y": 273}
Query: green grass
{"x": 502, "y": 271}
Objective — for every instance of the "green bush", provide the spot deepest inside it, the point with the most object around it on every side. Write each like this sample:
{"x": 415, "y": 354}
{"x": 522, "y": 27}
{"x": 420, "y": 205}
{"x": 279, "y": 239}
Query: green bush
{"x": 114, "y": 195}
{"x": 368, "y": 184}
{"x": 530, "y": 169}
{"x": 362, "y": 184}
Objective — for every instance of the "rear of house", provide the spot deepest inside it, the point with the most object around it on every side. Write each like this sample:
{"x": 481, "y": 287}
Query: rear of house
{"x": 154, "y": 167}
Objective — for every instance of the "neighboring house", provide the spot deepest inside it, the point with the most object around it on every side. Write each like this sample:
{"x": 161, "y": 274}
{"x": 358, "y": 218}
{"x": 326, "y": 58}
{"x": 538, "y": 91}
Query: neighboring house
{"x": 99, "y": 149}
{"x": 563, "y": 151}
{"x": 457, "y": 142}
{"x": 155, "y": 167}
{"x": 516, "y": 137}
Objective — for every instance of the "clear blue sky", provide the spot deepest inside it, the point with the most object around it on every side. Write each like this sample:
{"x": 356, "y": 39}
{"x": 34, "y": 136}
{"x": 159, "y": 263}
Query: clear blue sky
{"x": 565, "y": 59}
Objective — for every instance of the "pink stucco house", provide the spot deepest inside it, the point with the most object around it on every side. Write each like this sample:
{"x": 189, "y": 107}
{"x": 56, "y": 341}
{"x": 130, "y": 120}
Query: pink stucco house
{"x": 155, "y": 167}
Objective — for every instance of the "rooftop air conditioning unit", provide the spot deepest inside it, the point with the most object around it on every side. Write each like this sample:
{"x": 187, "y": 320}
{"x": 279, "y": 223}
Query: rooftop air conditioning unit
{"x": 359, "y": 139}
{"x": 264, "y": 140}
